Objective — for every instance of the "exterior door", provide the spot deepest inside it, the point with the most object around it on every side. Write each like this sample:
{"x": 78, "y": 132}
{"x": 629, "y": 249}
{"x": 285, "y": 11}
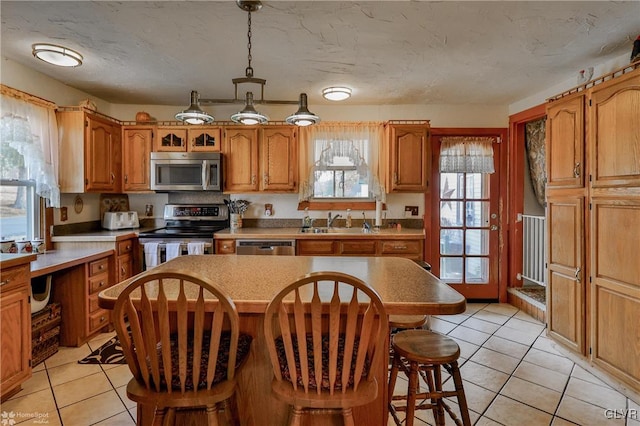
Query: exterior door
{"x": 466, "y": 228}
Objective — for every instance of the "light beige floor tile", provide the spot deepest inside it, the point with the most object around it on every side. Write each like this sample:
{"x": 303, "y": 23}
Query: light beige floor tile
{"x": 491, "y": 317}
{"x": 39, "y": 367}
{"x": 495, "y": 360}
{"x": 472, "y": 308}
{"x": 526, "y": 317}
{"x": 545, "y": 344}
{"x": 67, "y": 355}
{"x": 100, "y": 339}
{"x": 550, "y": 361}
{"x": 525, "y": 326}
{"x": 583, "y": 413}
{"x": 469, "y": 335}
{"x": 484, "y": 421}
{"x": 68, "y": 372}
{"x": 122, "y": 419}
{"x": 531, "y": 394}
{"x": 478, "y": 398}
{"x": 483, "y": 376}
{"x": 119, "y": 376}
{"x": 441, "y": 326}
{"x": 38, "y": 381}
{"x": 559, "y": 421}
{"x": 633, "y": 416}
{"x": 29, "y": 408}
{"x": 582, "y": 374}
{"x": 426, "y": 416}
{"x": 513, "y": 413}
{"x": 502, "y": 309}
{"x": 466, "y": 349}
{"x": 76, "y": 390}
{"x": 92, "y": 410}
{"x": 507, "y": 347}
{"x": 542, "y": 376}
{"x": 481, "y": 325}
{"x": 42, "y": 418}
{"x": 523, "y": 337}
{"x": 602, "y": 396}
{"x": 134, "y": 413}
{"x": 122, "y": 393}
{"x": 456, "y": 319}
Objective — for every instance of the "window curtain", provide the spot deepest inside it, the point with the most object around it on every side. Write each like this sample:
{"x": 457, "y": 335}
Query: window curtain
{"x": 466, "y": 155}
{"x": 357, "y": 141}
{"x": 28, "y": 128}
{"x": 534, "y": 142}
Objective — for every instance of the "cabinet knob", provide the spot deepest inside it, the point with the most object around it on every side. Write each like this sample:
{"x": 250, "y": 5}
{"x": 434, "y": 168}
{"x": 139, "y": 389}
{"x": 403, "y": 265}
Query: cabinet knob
{"x": 400, "y": 247}
{"x": 101, "y": 284}
{"x": 128, "y": 247}
{"x": 5, "y": 282}
{"x": 101, "y": 267}
{"x": 266, "y": 179}
{"x": 395, "y": 178}
{"x": 126, "y": 179}
{"x": 253, "y": 179}
{"x": 102, "y": 319}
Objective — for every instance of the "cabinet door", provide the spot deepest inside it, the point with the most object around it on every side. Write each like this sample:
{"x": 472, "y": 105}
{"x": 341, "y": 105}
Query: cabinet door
{"x": 15, "y": 337}
{"x": 102, "y": 156}
{"x": 316, "y": 247}
{"x": 136, "y": 149}
{"x": 615, "y": 287}
{"x": 408, "y": 167}
{"x": 565, "y": 143}
{"x": 171, "y": 139}
{"x": 204, "y": 139}
{"x": 279, "y": 159}
{"x": 240, "y": 159}
{"x": 614, "y": 131}
{"x": 565, "y": 288}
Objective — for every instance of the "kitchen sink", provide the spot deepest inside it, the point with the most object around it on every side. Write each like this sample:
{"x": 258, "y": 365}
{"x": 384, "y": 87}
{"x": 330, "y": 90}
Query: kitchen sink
{"x": 332, "y": 230}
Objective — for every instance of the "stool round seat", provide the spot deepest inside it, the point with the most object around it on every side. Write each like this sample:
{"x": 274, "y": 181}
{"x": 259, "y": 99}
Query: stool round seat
{"x": 425, "y": 347}
{"x": 407, "y": 321}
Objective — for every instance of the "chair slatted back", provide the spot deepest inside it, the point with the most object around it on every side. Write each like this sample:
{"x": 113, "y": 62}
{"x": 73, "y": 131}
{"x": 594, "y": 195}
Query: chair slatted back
{"x": 157, "y": 308}
{"x": 351, "y": 313}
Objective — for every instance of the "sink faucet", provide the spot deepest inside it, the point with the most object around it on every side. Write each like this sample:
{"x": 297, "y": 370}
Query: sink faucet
{"x": 331, "y": 219}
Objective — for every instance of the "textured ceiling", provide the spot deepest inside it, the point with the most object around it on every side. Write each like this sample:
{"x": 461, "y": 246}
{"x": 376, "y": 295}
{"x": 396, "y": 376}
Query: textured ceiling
{"x": 393, "y": 52}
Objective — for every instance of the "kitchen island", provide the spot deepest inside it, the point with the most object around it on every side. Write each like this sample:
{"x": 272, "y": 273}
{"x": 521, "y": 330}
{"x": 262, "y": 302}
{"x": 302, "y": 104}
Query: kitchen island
{"x": 251, "y": 281}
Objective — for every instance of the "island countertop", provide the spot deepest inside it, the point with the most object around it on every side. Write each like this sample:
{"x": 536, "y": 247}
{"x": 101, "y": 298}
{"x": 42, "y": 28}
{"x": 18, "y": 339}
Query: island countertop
{"x": 333, "y": 233}
{"x": 252, "y": 281}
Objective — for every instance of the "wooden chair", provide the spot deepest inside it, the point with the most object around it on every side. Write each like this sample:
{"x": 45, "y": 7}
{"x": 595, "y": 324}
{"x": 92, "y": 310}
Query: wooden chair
{"x": 326, "y": 335}
{"x": 180, "y": 337}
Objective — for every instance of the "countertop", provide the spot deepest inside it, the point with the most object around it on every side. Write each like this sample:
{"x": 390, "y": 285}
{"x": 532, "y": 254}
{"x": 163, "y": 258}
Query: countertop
{"x": 101, "y": 236}
{"x": 252, "y": 281}
{"x": 56, "y": 260}
{"x": 334, "y": 233}
{"x": 7, "y": 260}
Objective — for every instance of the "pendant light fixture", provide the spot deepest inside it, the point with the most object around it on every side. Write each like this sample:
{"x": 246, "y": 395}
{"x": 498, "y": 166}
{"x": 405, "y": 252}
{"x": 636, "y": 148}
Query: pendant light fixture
{"x": 249, "y": 115}
{"x": 193, "y": 114}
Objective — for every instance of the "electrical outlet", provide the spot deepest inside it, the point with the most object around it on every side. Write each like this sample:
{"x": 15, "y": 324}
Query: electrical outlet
{"x": 411, "y": 211}
{"x": 63, "y": 214}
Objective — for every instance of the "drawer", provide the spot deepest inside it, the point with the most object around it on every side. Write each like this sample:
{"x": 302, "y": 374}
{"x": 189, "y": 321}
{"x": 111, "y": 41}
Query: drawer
{"x": 401, "y": 247}
{"x": 124, "y": 268}
{"x": 98, "y": 319}
{"x": 125, "y": 247}
{"x": 358, "y": 247}
{"x": 225, "y": 246}
{"x": 15, "y": 276}
{"x": 315, "y": 247}
{"x": 98, "y": 283}
{"x": 98, "y": 266}
{"x": 93, "y": 303}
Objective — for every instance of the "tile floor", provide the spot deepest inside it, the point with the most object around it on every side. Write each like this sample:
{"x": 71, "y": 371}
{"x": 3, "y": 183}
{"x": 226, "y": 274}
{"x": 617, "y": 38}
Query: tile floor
{"x": 513, "y": 375}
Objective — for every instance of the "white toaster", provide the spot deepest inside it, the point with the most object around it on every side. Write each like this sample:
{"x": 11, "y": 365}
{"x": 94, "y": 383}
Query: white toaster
{"x": 120, "y": 220}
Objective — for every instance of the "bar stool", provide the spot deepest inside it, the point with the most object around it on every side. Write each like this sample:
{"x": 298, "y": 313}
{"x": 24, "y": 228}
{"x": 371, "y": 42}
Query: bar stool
{"x": 423, "y": 351}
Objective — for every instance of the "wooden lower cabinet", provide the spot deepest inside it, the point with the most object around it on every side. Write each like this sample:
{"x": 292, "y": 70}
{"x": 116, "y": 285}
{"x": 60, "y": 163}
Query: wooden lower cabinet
{"x": 225, "y": 247}
{"x": 125, "y": 259}
{"x": 412, "y": 249}
{"x": 15, "y": 332}
{"x": 76, "y": 289}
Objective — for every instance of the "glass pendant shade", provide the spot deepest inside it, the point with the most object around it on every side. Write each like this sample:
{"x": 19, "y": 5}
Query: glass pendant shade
{"x": 336, "y": 93}
{"x": 57, "y": 55}
{"x": 193, "y": 114}
{"x": 249, "y": 115}
{"x": 303, "y": 117}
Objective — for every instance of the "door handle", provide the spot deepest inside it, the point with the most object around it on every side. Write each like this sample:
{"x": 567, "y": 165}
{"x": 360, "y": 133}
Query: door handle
{"x": 577, "y": 275}
{"x": 494, "y": 227}
{"x": 576, "y": 170}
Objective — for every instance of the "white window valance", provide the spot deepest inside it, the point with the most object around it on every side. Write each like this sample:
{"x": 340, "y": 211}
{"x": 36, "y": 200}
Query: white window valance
{"x": 29, "y": 130}
{"x": 462, "y": 154}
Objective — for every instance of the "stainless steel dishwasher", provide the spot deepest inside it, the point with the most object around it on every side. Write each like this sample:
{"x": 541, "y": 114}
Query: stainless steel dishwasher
{"x": 266, "y": 247}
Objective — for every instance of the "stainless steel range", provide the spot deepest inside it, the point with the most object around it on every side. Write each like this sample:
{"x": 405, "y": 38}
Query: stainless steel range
{"x": 189, "y": 229}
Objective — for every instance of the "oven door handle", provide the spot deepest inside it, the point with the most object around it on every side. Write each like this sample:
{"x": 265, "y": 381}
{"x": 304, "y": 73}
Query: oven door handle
{"x": 205, "y": 174}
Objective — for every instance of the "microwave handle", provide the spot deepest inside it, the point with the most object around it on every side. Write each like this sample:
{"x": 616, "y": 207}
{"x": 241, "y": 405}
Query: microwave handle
{"x": 205, "y": 174}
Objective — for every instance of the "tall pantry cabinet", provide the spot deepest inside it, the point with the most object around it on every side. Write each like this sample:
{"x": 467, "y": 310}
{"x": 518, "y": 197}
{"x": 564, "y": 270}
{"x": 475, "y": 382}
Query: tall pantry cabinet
{"x": 593, "y": 219}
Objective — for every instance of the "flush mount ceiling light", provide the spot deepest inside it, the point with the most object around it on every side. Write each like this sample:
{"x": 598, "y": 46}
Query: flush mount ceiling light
{"x": 336, "y": 93}
{"x": 56, "y": 55}
{"x": 193, "y": 114}
{"x": 303, "y": 117}
{"x": 249, "y": 115}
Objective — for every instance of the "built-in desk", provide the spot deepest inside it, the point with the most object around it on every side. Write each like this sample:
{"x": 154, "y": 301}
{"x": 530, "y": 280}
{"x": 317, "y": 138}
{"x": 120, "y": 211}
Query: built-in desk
{"x": 252, "y": 281}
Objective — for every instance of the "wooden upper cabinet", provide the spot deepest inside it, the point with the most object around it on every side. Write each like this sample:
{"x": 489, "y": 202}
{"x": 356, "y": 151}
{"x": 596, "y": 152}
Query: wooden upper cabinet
{"x": 136, "y": 149}
{"x": 614, "y": 132}
{"x": 565, "y": 143}
{"x": 192, "y": 138}
{"x": 406, "y": 165}
{"x": 240, "y": 158}
{"x": 279, "y": 158}
{"x": 89, "y": 152}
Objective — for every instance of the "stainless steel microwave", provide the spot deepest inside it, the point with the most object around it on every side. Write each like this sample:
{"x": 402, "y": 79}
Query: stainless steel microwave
{"x": 186, "y": 171}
